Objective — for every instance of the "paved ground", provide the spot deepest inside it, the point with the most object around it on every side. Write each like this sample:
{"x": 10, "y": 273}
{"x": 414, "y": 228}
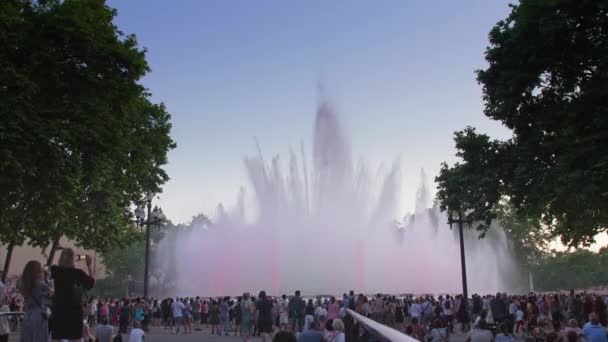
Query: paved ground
{"x": 158, "y": 335}
{"x": 162, "y": 335}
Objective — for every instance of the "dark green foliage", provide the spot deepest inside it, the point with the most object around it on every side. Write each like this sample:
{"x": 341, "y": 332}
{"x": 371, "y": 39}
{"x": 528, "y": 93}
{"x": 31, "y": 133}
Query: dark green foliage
{"x": 80, "y": 142}
{"x": 473, "y": 186}
{"x": 571, "y": 270}
{"x": 547, "y": 81}
{"x": 125, "y": 265}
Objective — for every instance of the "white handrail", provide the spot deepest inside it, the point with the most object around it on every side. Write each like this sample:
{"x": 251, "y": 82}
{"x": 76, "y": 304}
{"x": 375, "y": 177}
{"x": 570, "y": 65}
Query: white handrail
{"x": 389, "y": 333}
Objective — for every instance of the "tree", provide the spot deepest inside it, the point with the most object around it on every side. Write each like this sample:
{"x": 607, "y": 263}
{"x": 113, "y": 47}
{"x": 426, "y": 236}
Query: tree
{"x": 554, "y": 272}
{"x": 529, "y": 240}
{"x": 547, "y": 81}
{"x": 471, "y": 187}
{"x": 125, "y": 265}
{"x": 80, "y": 141}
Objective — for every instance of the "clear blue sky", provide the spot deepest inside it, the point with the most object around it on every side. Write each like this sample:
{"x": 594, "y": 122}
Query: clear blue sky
{"x": 401, "y": 74}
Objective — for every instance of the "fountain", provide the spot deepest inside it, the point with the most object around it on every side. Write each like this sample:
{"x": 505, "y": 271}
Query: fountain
{"x": 329, "y": 227}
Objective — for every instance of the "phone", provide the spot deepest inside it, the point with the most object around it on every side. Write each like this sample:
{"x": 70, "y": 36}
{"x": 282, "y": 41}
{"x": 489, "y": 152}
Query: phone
{"x": 81, "y": 257}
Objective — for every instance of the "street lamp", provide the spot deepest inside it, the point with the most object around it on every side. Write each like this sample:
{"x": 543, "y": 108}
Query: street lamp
{"x": 154, "y": 217}
{"x": 461, "y": 220}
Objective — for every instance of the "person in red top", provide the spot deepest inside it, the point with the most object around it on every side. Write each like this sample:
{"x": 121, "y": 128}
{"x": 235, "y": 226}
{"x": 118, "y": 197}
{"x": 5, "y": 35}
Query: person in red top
{"x": 360, "y": 301}
{"x": 204, "y": 312}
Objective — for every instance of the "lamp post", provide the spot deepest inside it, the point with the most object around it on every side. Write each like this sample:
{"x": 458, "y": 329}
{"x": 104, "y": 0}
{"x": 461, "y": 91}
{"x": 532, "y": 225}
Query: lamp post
{"x": 463, "y": 267}
{"x": 155, "y": 216}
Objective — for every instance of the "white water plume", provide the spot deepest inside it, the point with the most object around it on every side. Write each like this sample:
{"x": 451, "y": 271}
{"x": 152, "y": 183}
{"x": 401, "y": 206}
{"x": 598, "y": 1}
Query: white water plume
{"x": 332, "y": 228}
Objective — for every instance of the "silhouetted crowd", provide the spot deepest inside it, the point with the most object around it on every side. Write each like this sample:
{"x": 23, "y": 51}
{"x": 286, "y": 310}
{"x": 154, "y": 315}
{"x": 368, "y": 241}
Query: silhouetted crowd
{"x": 563, "y": 316}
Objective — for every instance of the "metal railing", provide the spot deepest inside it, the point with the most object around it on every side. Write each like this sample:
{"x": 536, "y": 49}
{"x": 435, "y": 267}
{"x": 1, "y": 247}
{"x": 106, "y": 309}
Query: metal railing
{"x": 375, "y": 330}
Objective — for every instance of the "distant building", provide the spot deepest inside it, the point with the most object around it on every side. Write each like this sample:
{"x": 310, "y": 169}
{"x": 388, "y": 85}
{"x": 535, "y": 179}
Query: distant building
{"x": 23, "y": 254}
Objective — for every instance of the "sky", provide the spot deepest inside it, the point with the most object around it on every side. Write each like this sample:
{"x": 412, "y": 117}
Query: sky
{"x": 400, "y": 73}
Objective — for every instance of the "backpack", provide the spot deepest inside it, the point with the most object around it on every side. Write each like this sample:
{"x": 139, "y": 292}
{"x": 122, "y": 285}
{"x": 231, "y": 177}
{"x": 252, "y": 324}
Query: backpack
{"x": 117, "y": 338}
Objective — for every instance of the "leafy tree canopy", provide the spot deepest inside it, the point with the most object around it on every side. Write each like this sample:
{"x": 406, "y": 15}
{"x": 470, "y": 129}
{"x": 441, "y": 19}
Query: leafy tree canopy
{"x": 80, "y": 141}
{"x": 547, "y": 81}
{"x": 125, "y": 265}
{"x": 580, "y": 269}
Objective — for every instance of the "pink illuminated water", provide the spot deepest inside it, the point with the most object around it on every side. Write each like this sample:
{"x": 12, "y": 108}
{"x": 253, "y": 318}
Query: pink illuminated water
{"x": 330, "y": 227}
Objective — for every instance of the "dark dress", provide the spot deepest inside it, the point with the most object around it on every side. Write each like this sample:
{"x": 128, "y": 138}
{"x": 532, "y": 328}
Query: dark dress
{"x": 67, "y": 319}
{"x": 214, "y": 315}
{"x": 264, "y": 307}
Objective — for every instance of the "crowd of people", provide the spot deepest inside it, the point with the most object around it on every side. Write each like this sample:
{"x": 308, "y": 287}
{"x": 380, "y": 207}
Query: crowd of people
{"x": 500, "y": 317}
{"x": 246, "y": 316}
{"x": 55, "y": 306}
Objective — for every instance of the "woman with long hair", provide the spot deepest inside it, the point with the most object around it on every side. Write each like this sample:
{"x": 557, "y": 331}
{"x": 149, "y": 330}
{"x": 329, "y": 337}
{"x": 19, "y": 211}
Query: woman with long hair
{"x": 36, "y": 293}
{"x": 70, "y": 284}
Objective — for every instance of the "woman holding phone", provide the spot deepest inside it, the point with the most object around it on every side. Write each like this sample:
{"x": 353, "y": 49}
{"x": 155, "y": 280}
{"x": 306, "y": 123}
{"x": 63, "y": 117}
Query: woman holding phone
{"x": 70, "y": 283}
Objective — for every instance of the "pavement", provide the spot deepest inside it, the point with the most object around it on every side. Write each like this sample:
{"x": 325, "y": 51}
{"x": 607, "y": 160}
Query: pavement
{"x": 162, "y": 335}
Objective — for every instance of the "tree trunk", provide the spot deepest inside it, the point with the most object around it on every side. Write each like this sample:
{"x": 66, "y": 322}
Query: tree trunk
{"x": 51, "y": 257}
{"x": 7, "y": 261}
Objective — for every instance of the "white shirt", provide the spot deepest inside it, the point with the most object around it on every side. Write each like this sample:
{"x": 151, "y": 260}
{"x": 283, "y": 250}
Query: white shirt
{"x": 439, "y": 335}
{"x": 177, "y": 308}
{"x": 320, "y": 311}
{"x": 136, "y": 335}
{"x": 427, "y": 308}
{"x": 519, "y": 315}
{"x": 93, "y": 307}
{"x": 415, "y": 310}
{"x": 446, "y": 311}
{"x": 104, "y": 333}
{"x": 4, "y": 326}
{"x": 379, "y": 305}
{"x": 512, "y": 308}
{"x": 337, "y": 338}
{"x": 479, "y": 335}
{"x": 367, "y": 310}
{"x": 283, "y": 307}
